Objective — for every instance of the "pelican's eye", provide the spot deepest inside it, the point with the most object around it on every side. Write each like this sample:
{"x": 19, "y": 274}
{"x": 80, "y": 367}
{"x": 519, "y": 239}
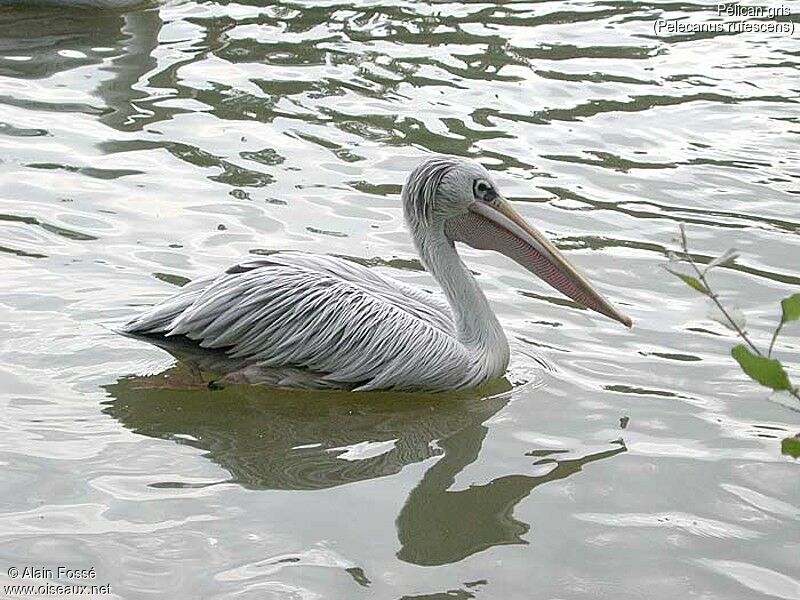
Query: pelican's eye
{"x": 483, "y": 190}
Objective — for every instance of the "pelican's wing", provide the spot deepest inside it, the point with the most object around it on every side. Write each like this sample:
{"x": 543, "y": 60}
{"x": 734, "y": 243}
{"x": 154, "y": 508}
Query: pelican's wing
{"x": 319, "y": 313}
{"x": 425, "y": 305}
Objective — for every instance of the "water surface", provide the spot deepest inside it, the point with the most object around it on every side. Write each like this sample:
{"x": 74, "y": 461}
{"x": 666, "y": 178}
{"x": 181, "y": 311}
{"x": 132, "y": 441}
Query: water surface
{"x": 142, "y": 149}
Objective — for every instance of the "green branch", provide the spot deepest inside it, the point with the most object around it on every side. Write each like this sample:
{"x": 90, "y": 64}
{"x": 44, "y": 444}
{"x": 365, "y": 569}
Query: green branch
{"x": 711, "y": 294}
{"x": 761, "y": 368}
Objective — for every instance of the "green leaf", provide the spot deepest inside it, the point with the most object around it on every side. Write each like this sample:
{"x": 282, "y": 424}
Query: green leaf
{"x": 791, "y": 308}
{"x": 692, "y": 282}
{"x": 766, "y": 371}
{"x": 791, "y": 447}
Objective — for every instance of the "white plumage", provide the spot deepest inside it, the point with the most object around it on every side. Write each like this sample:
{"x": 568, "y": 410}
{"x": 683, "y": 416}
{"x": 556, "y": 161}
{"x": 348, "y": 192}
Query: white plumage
{"x": 304, "y": 320}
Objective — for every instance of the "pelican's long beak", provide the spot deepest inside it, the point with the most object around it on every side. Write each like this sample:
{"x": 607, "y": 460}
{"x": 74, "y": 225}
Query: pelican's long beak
{"x": 499, "y": 227}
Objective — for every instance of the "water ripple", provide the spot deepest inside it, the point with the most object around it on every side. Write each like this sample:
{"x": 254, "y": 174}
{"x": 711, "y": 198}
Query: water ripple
{"x": 144, "y": 148}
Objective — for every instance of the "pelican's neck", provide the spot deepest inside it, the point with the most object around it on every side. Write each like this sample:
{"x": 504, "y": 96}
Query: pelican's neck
{"x": 476, "y": 325}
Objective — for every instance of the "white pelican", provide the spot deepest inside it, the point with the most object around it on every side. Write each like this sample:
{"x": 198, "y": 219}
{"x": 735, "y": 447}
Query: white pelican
{"x": 313, "y": 321}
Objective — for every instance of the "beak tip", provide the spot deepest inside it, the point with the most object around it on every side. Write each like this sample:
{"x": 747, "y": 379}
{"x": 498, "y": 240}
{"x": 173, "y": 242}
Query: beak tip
{"x": 612, "y": 313}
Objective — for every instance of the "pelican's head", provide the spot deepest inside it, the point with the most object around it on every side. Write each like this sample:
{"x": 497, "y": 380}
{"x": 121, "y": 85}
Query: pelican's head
{"x": 459, "y": 198}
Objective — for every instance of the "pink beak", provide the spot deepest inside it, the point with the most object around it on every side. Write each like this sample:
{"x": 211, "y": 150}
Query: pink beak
{"x": 501, "y": 228}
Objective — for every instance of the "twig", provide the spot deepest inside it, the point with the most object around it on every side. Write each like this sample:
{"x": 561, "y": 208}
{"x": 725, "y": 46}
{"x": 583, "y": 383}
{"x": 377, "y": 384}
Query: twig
{"x": 774, "y": 337}
{"x": 702, "y": 277}
{"x": 705, "y": 287}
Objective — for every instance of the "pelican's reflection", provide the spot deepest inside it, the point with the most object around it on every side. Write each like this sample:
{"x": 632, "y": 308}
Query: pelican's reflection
{"x": 438, "y": 526}
{"x": 280, "y": 439}
{"x": 291, "y": 440}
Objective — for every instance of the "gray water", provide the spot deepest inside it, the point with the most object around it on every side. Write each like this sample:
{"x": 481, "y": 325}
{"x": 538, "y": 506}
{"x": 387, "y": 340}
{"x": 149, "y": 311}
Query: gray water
{"x": 142, "y": 149}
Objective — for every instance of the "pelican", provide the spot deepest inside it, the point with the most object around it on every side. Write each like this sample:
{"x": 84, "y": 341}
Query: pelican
{"x": 313, "y": 321}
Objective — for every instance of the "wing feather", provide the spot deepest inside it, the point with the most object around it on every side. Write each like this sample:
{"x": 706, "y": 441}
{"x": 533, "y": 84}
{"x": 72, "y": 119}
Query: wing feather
{"x": 319, "y": 313}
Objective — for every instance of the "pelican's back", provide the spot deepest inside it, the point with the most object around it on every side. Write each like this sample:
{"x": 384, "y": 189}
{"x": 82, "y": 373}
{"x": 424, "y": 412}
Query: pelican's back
{"x": 322, "y": 314}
